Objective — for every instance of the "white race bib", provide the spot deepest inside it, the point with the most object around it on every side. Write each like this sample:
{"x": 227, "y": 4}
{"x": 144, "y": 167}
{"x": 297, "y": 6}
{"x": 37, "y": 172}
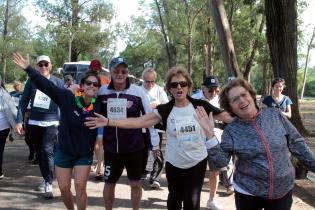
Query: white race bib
{"x": 117, "y": 108}
{"x": 186, "y": 129}
{"x": 41, "y": 100}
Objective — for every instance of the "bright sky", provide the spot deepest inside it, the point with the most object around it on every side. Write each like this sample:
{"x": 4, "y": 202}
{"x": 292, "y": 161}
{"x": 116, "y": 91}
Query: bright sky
{"x": 126, "y": 8}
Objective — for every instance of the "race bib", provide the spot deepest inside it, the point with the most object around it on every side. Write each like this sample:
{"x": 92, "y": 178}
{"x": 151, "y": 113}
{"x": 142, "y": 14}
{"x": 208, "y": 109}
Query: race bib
{"x": 41, "y": 100}
{"x": 186, "y": 129}
{"x": 117, "y": 108}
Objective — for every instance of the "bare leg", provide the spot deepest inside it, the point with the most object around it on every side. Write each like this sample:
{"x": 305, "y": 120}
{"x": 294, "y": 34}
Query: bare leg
{"x": 99, "y": 153}
{"x": 136, "y": 194}
{"x": 213, "y": 184}
{"x": 63, "y": 176}
{"x": 81, "y": 175}
{"x": 109, "y": 195}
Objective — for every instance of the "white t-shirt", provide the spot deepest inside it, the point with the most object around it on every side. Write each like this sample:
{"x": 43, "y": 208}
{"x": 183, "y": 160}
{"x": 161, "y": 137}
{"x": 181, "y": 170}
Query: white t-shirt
{"x": 185, "y": 145}
{"x": 156, "y": 95}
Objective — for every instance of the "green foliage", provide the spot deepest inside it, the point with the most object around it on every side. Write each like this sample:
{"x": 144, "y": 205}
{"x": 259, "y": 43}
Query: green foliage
{"x": 77, "y": 24}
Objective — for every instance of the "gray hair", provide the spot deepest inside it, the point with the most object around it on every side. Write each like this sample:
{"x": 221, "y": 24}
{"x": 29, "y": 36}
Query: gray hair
{"x": 149, "y": 70}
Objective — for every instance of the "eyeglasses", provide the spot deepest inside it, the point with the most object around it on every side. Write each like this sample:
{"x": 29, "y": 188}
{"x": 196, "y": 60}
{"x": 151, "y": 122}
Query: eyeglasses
{"x": 41, "y": 65}
{"x": 120, "y": 71}
{"x": 237, "y": 98}
{"x": 146, "y": 81}
{"x": 181, "y": 83}
{"x": 89, "y": 83}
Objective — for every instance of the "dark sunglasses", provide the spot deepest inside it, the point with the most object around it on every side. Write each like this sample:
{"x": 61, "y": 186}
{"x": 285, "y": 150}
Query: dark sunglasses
{"x": 89, "y": 83}
{"x": 181, "y": 83}
{"x": 41, "y": 65}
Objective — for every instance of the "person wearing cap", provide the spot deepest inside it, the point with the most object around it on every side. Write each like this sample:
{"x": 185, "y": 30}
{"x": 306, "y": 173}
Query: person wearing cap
{"x": 210, "y": 93}
{"x": 96, "y": 65}
{"x": 124, "y": 148}
{"x": 156, "y": 96}
{"x": 42, "y": 124}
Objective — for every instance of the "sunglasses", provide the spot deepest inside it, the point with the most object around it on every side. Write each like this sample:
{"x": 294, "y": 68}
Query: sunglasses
{"x": 89, "y": 83}
{"x": 181, "y": 83}
{"x": 41, "y": 65}
{"x": 120, "y": 72}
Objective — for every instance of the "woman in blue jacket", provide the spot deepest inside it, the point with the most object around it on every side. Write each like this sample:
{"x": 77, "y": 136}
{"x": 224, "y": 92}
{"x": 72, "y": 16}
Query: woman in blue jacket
{"x": 260, "y": 140}
{"x": 74, "y": 151}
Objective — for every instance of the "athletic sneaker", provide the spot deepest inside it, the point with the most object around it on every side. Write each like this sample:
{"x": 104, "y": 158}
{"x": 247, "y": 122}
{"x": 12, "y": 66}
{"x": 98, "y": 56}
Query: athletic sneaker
{"x": 1, "y": 176}
{"x": 41, "y": 187}
{"x": 230, "y": 190}
{"x": 155, "y": 185}
{"x": 212, "y": 205}
{"x": 48, "y": 191}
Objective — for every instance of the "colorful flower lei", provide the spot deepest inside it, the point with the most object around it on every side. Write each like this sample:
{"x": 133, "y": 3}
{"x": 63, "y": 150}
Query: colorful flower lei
{"x": 78, "y": 95}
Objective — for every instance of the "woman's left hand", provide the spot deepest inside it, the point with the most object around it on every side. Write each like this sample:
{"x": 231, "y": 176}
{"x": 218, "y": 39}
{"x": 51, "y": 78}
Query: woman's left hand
{"x": 205, "y": 121}
{"x": 96, "y": 122}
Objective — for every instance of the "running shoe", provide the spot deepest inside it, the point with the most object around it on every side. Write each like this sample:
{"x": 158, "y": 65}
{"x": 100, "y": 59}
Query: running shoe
{"x": 212, "y": 205}
{"x": 230, "y": 190}
{"x": 41, "y": 186}
{"x": 155, "y": 185}
{"x": 1, "y": 176}
{"x": 48, "y": 191}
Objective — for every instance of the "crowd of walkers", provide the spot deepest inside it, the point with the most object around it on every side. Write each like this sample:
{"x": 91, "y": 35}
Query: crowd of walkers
{"x": 65, "y": 124}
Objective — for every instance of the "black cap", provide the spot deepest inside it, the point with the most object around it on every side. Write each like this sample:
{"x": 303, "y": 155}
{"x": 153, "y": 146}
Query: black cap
{"x": 211, "y": 81}
{"x": 117, "y": 61}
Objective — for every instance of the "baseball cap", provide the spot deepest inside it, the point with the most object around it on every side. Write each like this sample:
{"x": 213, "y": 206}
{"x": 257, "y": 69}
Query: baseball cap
{"x": 95, "y": 65}
{"x": 43, "y": 58}
{"x": 211, "y": 81}
{"x": 117, "y": 61}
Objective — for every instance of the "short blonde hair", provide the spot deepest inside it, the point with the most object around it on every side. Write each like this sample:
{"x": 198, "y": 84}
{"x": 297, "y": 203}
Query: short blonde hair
{"x": 175, "y": 71}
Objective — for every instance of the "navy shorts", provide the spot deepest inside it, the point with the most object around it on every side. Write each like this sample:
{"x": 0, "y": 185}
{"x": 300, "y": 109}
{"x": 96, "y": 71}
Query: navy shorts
{"x": 115, "y": 164}
{"x": 63, "y": 160}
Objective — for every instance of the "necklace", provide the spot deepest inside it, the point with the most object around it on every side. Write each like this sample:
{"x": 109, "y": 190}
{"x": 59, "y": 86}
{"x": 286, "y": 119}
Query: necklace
{"x": 78, "y": 96}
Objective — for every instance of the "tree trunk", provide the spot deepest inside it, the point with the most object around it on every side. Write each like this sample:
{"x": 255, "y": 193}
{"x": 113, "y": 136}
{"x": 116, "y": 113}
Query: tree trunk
{"x": 169, "y": 48}
{"x": 74, "y": 27}
{"x": 225, "y": 38}
{"x": 5, "y": 42}
{"x": 250, "y": 60}
{"x": 281, "y": 18}
{"x": 309, "y": 47}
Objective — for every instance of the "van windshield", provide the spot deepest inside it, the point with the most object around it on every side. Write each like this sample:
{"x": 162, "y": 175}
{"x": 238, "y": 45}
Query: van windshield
{"x": 73, "y": 68}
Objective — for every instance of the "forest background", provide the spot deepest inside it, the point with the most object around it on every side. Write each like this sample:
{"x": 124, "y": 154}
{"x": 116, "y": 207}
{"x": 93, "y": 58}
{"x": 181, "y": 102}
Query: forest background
{"x": 253, "y": 39}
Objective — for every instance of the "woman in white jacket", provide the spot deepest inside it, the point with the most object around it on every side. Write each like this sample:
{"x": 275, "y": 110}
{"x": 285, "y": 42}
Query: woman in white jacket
{"x": 8, "y": 113}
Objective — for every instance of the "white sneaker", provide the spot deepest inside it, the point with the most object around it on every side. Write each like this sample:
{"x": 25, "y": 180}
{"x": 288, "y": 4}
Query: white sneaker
{"x": 212, "y": 205}
{"x": 155, "y": 185}
{"x": 41, "y": 187}
{"x": 230, "y": 190}
{"x": 48, "y": 191}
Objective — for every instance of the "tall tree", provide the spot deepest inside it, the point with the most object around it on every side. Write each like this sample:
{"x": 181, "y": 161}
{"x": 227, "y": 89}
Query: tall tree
{"x": 281, "y": 22}
{"x": 225, "y": 37}
{"x": 77, "y": 24}
{"x": 309, "y": 47}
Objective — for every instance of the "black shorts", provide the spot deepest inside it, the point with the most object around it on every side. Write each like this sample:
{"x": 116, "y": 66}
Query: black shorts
{"x": 115, "y": 164}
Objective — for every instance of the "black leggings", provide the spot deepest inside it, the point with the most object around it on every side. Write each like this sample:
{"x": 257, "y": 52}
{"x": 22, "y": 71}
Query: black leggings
{"x": 184, "y": 185}
{"x": 248, "y": 202}
{"x": 3, "y": 137}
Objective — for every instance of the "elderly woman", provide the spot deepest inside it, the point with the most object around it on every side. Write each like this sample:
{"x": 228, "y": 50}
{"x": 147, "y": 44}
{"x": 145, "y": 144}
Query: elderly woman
{"x": 185, "y": 152}
{"x": 74, "y": 152}
{"x": 260, "y": 140}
